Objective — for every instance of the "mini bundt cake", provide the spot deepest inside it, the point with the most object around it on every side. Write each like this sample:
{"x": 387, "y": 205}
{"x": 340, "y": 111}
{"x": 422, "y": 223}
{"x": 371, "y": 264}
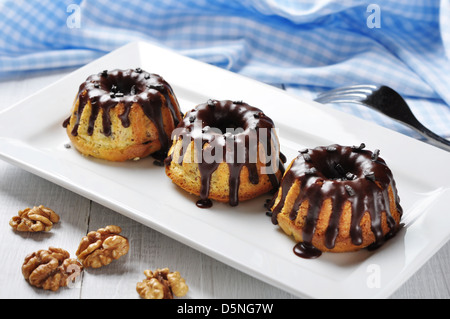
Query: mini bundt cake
{"x": 337, "y": 199}
{"x": 226, "y": 151}
{"x": 123, "y": 114}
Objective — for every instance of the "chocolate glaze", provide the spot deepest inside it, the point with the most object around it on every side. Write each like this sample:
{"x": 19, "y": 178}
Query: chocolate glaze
{"x": 222, "y": 116}
{"x": 109, "y": 88}
{"x": 343, "y": 174}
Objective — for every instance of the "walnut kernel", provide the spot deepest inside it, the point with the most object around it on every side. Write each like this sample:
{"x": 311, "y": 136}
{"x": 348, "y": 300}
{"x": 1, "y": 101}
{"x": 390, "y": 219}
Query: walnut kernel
{"x": 162, "y": 284}
{"x": 50, "y": 269}
{"x": 34, "y": 219}
{"x": 99, "y": 248}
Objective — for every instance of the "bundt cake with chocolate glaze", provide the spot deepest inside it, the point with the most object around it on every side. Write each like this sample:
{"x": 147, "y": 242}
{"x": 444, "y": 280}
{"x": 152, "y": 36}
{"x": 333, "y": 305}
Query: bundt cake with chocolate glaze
{"x": 337, "y": 199}
{"x": 120, "y": 115}
{"x": 225, "y": 151}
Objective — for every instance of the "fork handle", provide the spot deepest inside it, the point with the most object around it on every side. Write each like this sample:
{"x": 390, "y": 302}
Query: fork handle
{"x": 395, "y": 107}
{"x": 431, "y": 137}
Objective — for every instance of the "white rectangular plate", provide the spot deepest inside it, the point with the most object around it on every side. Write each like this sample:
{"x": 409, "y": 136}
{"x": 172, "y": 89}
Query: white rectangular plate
{"x": 31, "y": 137}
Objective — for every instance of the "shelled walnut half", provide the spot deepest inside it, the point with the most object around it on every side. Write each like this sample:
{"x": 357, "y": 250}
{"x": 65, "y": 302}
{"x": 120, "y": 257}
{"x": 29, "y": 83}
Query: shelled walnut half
{"x": 162, "y": 284}
{"x": 99, "y": 248}
{"x": 51, "y": 269}
{"x": 34, "y": 219}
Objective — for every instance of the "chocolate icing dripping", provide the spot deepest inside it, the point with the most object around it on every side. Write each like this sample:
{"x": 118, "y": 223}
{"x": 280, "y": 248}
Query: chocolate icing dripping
{"x": 342, "y": 174}
{"x": 108, "y": 89}
{"x": 206, "y": 126}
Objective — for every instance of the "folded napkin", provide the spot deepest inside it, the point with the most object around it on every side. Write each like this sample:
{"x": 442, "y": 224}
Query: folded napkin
{"x": 306, "y": 46}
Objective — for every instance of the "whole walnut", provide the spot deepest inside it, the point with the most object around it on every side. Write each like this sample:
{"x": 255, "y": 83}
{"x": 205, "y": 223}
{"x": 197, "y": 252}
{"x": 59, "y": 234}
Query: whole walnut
{"x": 51, "y": 269}
{"x": 34, "y": 219}
{"x": 99, "y": 248}
{"x": 162, "y": 284}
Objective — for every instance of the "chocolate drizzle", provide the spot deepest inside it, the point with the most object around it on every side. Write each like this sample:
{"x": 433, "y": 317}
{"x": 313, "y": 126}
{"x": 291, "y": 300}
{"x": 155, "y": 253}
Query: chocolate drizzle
{"x": 342, "y": 174}
{"x": 218, "y": 126}
{"x": 107, "y": 89}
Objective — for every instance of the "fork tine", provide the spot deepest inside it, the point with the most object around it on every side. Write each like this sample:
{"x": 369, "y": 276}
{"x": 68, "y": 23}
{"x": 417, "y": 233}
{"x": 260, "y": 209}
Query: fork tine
{"x": 364, "y": 87}
{"x": 349, "y": 91}
{"x": 356, "y": 89}
{"x": 341, "y": 98}
{"x": 387, "y": 101}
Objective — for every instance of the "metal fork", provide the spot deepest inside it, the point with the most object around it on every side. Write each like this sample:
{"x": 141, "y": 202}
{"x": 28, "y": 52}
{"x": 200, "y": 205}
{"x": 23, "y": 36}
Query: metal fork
{"x": 387, "y": 101}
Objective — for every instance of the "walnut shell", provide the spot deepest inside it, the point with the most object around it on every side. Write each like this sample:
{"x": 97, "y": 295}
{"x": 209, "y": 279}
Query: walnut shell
{"x": 99, "y": 248}
{"x": 162, "y": 284}
{"x": 34, "y": 219}
{"x": 50, "y": 269}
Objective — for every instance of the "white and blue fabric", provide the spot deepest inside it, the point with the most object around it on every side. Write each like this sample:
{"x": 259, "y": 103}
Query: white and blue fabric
{"x": 306, "y": 46}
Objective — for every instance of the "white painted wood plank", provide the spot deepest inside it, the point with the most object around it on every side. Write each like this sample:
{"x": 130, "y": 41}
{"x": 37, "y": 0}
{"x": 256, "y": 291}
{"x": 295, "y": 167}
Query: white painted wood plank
{"x": 432, "y": 281}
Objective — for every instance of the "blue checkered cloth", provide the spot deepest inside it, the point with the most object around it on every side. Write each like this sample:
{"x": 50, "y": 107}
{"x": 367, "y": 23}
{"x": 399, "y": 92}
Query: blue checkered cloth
{"x": 306, "y": 46}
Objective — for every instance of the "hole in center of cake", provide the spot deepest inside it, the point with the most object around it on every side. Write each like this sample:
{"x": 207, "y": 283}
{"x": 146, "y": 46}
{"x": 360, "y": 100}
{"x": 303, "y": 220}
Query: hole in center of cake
{"x": 234, "y": 128}
{"x": 338, "y": 171}
{"x": 125, "y": 87}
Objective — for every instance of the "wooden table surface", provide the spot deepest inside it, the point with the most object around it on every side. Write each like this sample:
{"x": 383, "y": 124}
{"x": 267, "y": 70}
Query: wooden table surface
{"x": 206, "y": 277}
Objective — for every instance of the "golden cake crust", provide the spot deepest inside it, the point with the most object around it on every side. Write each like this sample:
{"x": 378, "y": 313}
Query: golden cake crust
{"x": 187, "y": 176}
{"x": 138, "y": 140}
{"x": 337, "y": 199}
{"x": 122, "y": 115}
{"x": 343, "y": 242}
{"x": 207, "y": 160}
